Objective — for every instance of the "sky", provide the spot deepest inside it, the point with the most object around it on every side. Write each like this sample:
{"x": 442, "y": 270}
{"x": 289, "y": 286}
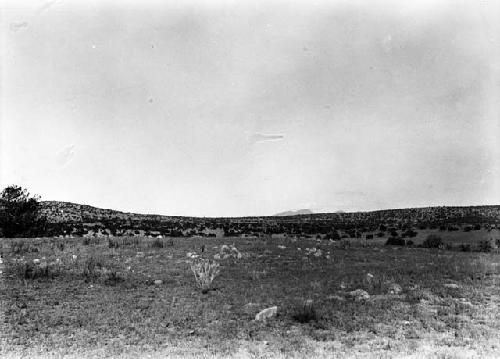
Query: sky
{"x": 234, "y": 108}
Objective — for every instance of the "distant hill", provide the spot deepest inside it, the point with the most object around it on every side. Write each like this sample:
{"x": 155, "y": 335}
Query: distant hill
{"x": 65, "y": 218}
{"x": 64, "y": 212}
{"x": 294, "y": 213}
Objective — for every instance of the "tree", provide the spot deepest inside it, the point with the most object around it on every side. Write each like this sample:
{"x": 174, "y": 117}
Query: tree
{"x": 19, "y": 213}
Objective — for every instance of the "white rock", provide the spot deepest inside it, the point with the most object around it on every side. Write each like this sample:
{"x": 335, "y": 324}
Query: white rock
{"x": 158, "y": 282}
{"x": 451, "y": 285}
{"x": 335, "y": 297}
{"x": 267, "y": 313}
{"x": 359, "y": 295}
{"x": 395, "y": 289}
{"x": 281, "y": 247}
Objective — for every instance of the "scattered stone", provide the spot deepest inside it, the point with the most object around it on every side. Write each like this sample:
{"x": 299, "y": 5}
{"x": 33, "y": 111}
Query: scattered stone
{"x": 267, "y": 313}
{"x": 139, "y": 254}
{"x": 359, "y": 295}
{"x": 395, "y": 288}
{"x": 318, "y": 253}
{"x": 226, "y": 252}
{"x": 158, "y": 282}
{"x": 336, "y": 297}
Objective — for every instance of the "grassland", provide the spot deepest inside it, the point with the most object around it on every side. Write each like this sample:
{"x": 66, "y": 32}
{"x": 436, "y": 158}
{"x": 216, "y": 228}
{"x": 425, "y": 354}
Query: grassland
{"x": 447, "y": 307}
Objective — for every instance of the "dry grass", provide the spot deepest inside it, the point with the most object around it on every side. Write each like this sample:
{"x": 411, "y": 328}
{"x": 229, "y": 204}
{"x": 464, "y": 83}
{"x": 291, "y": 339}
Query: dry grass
{"x": 69, "y": 315}
{"x": 205, "y": 271}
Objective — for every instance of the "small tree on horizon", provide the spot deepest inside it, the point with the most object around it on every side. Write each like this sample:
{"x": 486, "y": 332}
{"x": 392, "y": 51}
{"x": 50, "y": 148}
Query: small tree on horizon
{"x": 19, "y": 213}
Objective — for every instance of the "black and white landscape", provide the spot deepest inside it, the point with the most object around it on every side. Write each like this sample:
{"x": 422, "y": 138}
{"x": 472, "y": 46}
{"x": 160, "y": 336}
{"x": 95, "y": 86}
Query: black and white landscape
{"x": 249, "y": 179}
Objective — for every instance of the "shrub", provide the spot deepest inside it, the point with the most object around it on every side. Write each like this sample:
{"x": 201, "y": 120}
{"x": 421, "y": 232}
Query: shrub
{"x": 21, "y": 247}
{"x": 131, "y": 241}
{"x": 113, "y": 243}
{"x": 87, "y": 241}
{"x": 92, "y": 265}
{"x": 465, "y": 247}
{"x": 113, "y": 277}
{"x": 205, "y": 271}
{"x": 410, "y": 233}
{"x": 345, "y": 243}
{"x": 36, "y": 269}
{"x": 433, "y": 241}
{"x": 395, "y": 241}
{"x": 305, "y": 313}
{"x": 157, "y": 243}
{"x": 485, "y": 246}
{"x": 20, "y": 213}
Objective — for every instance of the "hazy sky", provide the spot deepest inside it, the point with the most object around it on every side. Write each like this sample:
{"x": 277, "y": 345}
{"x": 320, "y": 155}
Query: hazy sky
{"x": 218, "y": 108}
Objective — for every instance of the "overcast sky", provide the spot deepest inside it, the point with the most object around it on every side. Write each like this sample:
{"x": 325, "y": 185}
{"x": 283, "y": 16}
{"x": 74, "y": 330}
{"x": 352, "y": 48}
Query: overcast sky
{"x": 251, "y": 108}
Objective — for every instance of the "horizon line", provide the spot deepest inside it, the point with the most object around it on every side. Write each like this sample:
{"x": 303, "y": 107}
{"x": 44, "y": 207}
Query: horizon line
{"x": 274, "y": 215}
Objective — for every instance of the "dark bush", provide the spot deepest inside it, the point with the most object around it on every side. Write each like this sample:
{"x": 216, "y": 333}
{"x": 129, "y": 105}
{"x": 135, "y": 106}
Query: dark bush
{"x": 87, "y": 241}
{"x": 92, "y": 265}
{"x": 113, "y": 243}
{"x": 465, "y": 247}
{"x": 158, "y": 243}
{"x": 485, "y": 246}
{"x": 305, "y": 313}
{"x": 433, "y": 241}
{"x": 409, "y": 233}
{"x": 395, "y": 241}
{"x": 20, "y": 213}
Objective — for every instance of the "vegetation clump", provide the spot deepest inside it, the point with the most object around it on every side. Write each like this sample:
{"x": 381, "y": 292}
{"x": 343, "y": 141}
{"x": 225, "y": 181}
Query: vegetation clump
{"x": 205, "y": 271}
{"x": 433, "y": 241}
{"x": 20, "y": 213}
{"x": 305, "y": 313}
{"x": 395, "y": 241}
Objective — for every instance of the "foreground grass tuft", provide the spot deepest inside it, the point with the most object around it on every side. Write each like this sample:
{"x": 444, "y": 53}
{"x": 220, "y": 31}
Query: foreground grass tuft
{"x": 205, "y": 271}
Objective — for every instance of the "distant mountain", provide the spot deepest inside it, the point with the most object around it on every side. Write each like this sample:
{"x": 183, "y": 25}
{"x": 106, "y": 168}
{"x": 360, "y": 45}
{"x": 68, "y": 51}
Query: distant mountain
{"x": 294, "y": 213}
